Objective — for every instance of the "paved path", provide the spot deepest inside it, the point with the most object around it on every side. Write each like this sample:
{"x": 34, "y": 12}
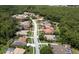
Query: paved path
{"x": 36, "y": 37}
{"x": 33, "y": 45}
{"x": 48, "y": 43}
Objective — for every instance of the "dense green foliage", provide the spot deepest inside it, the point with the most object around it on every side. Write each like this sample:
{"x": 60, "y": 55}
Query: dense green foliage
{"x": 67, "y": 17}
{"x": 41, "y": 36}
{"x": 7, "y": 26}
{"x": 46, "y": 50}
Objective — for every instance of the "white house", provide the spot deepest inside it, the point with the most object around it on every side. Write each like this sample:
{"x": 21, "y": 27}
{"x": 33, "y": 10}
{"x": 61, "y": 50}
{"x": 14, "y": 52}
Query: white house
{"x": 22, "y": 32}
{"x": 25, "y": 25}
{"x": 50, "y": 37}
{"x": 29, "y": 14}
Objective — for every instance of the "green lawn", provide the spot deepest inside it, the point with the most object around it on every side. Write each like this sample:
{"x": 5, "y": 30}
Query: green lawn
{"x": 29, "y": 50}
{"x": 45, "y": 41}
{"x": 75, "y": 51}
{"x": 44, "y": 49}
{"x": 30, "y": 40}
{"x": 3, "y": 49}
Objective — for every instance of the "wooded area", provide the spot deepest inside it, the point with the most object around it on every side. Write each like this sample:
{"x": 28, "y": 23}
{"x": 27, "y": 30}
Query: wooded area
{"x": 66, "y": 16}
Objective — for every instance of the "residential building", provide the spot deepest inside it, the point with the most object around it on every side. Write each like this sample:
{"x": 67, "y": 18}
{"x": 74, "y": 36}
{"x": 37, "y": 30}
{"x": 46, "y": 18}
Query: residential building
{"x": 22, "y": 32}
{"x": 45, "y": 23}
{"x": 50, "y": 37}
{"x": 40, "y": 18}
{"x": 29, "y": 14}
{"x": 21, "y": 41}
{"x": 18, "y": 51}
{"x": 10, "y": 50}
{"x": 18, "y": 43}
{"x": 20, "y": 17}
{"x": 25, "y": 25}
{"x": 61, "y": 49}
{"x": 48, "y": 30}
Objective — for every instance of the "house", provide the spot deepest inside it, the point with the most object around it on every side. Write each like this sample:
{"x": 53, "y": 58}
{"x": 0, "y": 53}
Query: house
{"x": 22, "y": 32}
{"x": 48, "y": 30}
{"x": 20, "y": 42}
{"x": 25, "y": 25}
{"x": 29, "y": 14}
{"x": 20, "y": 17}
{"x": 40, "y": 18}
{"x": 46, "y": 23}
{"x": 47, "y": 27}
{"x": 15, "y": 51}
{"x": 50, "y": 37}
{"x": 26, "y": 13}
{"x": 61, "y": 49}
{"x": 23, "y": 39}
{"x": 18, "y": 51}
{"x": 10, "y": 51}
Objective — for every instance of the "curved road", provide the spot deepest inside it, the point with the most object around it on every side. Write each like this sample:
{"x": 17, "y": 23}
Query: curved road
{"x": 35, "y": 37}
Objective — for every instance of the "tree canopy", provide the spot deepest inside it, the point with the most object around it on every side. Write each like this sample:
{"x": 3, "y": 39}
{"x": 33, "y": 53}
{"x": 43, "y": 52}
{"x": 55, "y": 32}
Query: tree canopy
{"x": 67, "y": 17}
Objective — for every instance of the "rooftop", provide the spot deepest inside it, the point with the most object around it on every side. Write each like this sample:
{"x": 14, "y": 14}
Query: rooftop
{"x": 50, "y": 37}
{"x": 22, "y": 32}
{"x": 18, "y": 43}
{"x": 48, "y": 30}
{"x": 19, "y": 51}
{"x": 9, "y": 50}
{"x": 20, "y": 16}
{"x": 61, "y": 49}
{"x": 22, "y": 39}
{"x": 25, "y": 25}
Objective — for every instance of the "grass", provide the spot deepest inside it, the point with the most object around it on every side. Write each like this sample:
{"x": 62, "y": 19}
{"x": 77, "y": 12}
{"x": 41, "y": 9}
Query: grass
{"x": 42, "y": 46}
{"x": 45, "y": 41}
{"x": 3, "y": 49}
{"x": 29, "y": 40}
{"x": 29, "y": 33}
{"x": 75, "y": 51}
{"x": 29, "y": 50}
{"x": 45, "y": 49}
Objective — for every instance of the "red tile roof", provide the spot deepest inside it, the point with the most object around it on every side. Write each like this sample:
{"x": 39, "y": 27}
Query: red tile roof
{"x": 48, "y": 29}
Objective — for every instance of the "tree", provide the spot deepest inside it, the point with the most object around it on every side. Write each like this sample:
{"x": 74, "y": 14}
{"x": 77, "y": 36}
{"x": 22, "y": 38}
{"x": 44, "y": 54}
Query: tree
{"x": 46, "y": 50}
{"x": 41, "y": 36}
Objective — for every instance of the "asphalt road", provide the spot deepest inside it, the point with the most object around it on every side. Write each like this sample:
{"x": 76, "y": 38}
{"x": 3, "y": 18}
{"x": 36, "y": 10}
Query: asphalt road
{"x": 36, "y": 37}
